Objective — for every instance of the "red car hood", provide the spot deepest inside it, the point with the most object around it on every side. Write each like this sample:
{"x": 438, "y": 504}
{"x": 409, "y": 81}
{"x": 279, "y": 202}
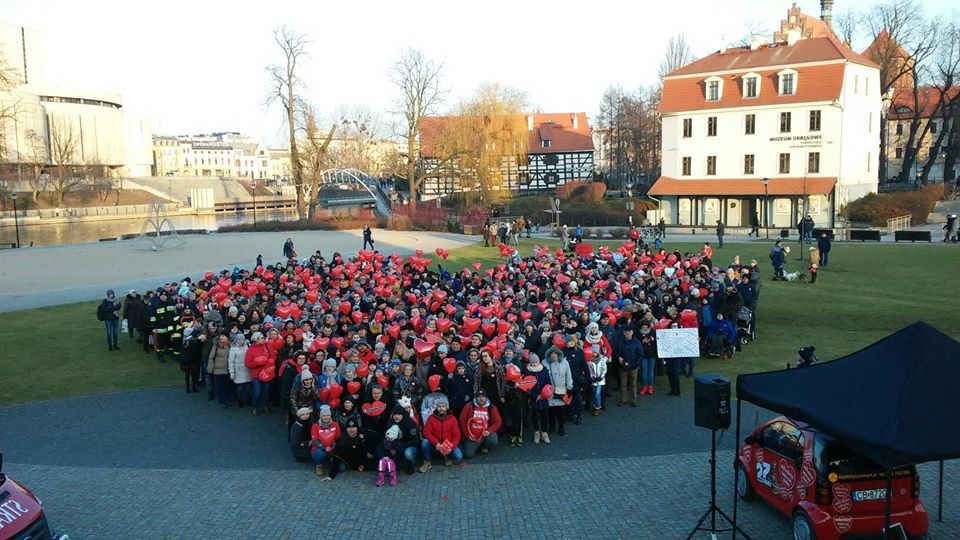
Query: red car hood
{"x": 18, "y": 508}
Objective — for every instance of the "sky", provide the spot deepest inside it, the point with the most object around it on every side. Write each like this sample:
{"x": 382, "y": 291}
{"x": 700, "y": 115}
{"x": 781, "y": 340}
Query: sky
{"x": 199, "y": 66}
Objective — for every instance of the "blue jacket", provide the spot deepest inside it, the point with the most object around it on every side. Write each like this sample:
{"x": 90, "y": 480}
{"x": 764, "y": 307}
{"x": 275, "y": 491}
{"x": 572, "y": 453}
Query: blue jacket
{"x": 631, "y": 351}
{"x": 722, "y": 327}
{"x": 778, "y": 256}
{"x": 823, "y": 244}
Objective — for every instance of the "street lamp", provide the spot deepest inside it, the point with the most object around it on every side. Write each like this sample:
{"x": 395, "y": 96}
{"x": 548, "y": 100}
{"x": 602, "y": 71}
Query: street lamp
{"x": 766, "y": 219}
{"x": 16, "y": 219}
{"x": 254, "y": 205}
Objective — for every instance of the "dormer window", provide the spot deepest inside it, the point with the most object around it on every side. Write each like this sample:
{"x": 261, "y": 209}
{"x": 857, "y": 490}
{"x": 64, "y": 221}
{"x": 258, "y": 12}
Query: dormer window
{"x": 787, "y": 82}
{"x": 751, "y": 85}
{"x": 545, "y": 143}
{"x": 714, "y": 88}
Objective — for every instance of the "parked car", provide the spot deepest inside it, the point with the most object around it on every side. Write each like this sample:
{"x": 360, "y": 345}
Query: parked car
{"x": 21, "y": 512}
{"x": 827, "y": 489}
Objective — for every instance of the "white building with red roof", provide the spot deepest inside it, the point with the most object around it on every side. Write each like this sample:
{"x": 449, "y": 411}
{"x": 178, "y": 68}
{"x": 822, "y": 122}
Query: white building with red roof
{"x": 774, "y": 130}
{"x": 559, "y": 149}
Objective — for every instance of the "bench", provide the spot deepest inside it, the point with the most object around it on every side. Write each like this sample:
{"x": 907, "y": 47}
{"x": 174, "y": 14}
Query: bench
{"x": 865, "y": 234}
{"x": 817, "y": 233}
{"x": 912, "y": 236}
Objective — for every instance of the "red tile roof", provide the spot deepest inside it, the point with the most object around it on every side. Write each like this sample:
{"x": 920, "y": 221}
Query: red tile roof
{"x": 927, "y": 102}
{"x": 555, "y": 127}
{"x": 742, "y": 186}
{"x": 805, "y": 51}
{"x": 814, "y": 83}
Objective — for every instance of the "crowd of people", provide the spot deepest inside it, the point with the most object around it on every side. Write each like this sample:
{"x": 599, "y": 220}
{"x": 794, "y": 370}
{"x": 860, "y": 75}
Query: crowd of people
{"x": 383, "y": 362}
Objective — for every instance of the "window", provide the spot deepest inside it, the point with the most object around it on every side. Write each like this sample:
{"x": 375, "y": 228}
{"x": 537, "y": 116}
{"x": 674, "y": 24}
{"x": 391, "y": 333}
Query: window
{"x": 748, "y": 162}
{"x": 712, "y": 126}
{"x": 933, "y": 127}
{"x": 785, "y": 163}
{"x": 545, "y": 143}
{"x": 815, "y": 120}
{"x": 750, "y": 124}
{"x": 813, "y": 162}
{"x": 750, "y": 87}
{"x": 784, "y": 122}
{"x": 688, "y": 127}
{"x": 686, "y": 166}
{"x": 866, "y": 86}
{"x": 856, "y": 84}
{"x": 713, "y": 91}
{"x": 898, "y": 152}
{"x": 787, "y": 84}
{"x": 870, "y": 122}
{"x": 711, "y": 165}
{"x": 899, "y": 128}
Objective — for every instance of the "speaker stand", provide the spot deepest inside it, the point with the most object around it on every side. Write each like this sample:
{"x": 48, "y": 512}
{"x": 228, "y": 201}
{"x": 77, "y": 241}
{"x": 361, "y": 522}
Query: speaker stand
{"x": 713, "y": 510}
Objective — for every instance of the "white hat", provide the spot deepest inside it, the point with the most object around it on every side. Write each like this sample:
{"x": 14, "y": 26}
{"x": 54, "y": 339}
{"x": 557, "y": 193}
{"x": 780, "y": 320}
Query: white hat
{"x": 393, "y": 433}
{"x": 306, "y": 374}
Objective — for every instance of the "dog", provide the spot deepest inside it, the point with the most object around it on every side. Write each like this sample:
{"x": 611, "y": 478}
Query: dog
{"x": 795, "y": 277}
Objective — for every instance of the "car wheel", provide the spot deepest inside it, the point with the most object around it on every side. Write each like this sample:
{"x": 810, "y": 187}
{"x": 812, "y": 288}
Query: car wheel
{"x": 802, "y": 528}
{"x": 744, "y": 487}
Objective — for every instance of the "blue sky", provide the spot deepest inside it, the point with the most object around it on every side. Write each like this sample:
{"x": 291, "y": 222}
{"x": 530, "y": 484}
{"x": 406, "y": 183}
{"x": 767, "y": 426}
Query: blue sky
{"x": 199, "y": 66}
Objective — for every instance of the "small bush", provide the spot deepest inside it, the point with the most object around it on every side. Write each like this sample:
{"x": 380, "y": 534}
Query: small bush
{"x": 877, "y": 208}
{"x": 618, "y": 233}
{"x": 587, "y": 231}
{"x": 399, "y": 222}
{"x": 582, "y": 191}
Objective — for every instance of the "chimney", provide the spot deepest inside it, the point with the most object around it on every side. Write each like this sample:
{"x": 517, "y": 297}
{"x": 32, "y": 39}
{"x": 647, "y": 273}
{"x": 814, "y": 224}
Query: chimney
{"x": 530, "y": 122}
{"x": 756, "y": 41}
{"x": 826, "y": 12}
{"x": 575, "y": 121}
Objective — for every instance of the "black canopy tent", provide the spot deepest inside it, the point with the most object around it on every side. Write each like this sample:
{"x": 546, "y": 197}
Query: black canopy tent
{"x": 889, "y": 401}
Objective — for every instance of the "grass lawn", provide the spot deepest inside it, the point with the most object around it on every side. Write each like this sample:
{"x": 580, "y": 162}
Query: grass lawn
{"x": 868, "y": 292}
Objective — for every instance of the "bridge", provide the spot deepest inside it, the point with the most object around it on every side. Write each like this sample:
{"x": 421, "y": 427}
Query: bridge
{"x": 355, "y": 178}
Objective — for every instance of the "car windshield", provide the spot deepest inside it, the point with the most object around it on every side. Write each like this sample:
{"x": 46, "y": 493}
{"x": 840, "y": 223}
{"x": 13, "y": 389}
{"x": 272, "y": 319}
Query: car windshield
{"x": 833, "y": 457}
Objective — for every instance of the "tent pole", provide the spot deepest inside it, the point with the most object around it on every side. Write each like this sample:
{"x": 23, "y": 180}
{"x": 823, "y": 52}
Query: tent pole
{"x": 736, "y": 453}
{"x": 939, "y": 496}
{"x": 886, "y": 517}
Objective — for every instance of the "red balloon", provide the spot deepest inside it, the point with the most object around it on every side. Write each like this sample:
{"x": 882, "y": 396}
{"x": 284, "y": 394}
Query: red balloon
{"x": 393, "y": 330}
{"x": 337, "y": 342}
{"x": 527, "y": 383}
{"x": 503, "y": 327}
{"x": 334, "y": 403}
{"x": 208, "y": 276}
{"x": 512, "y": 373}
{"x": 546, "y": 392}
{"x": 353, "y": 387}
{"x": 363, "y": 370}
{"x": 378, "y": 316}
{"x": 324, "y": 394}
{"x": 488, "y": 329}
{"x": 374, "y": 409}
{"x": 268, "y": 373}
{"x": 444, "y": 324}
{"x": 320, "y": 344}
{"x": 357, "y": 316}
{"x": 559, "y": 341}
{"x": 312, "y": 297}
{"x": 423, "y": 348}
{"x": 476, "y": 266}
{"x": 335, "y": 391}
{"x": 383, "y": 380}
{"x": 327, "y": 438}
{"x": 345, "y": 308}
{"x": 449, "y": 364}
{"x": 471, "y": 325}
{"x": 434, "y": 383}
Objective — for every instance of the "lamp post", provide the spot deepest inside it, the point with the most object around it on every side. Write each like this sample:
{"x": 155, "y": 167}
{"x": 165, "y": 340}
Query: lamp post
{"x": 254, "y": 205}
{"x": 16, "y": 218}
{"x": 766, "y": 219}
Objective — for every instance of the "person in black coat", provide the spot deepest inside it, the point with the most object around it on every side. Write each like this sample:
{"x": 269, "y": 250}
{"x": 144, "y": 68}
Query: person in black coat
{"x": 355, "y": 449}
{"x": 823, "y": 244}
{"x": 409, "y": 442}
{"x": 300, "y": 435}
{"x": 107, "y": 312}
{"x": 581, "y": 377}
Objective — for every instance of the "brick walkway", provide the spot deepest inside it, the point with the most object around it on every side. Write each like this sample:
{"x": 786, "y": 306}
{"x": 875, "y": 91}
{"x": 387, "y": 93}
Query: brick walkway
{"x": 168, "y": 465}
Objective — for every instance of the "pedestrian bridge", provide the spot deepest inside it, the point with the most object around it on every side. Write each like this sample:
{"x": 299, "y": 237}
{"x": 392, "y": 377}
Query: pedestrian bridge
{"x": 357, "y": 179}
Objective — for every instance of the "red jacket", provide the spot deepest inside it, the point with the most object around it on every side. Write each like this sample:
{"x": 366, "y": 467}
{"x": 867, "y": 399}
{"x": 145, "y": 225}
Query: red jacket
{"x": 475, "y": 420}
{"x": 333, "y": 429}
{"x": 256, "y": 351}
{"x": 437, "y": 430}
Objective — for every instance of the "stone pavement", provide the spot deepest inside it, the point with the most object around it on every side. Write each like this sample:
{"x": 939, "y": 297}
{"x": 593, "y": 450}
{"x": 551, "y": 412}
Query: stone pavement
{"x": 162, "y": 464}
{"x": 47, "y": 276}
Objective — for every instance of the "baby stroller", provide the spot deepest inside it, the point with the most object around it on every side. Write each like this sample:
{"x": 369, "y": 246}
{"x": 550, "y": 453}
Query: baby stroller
{"x": 745, "y": 331}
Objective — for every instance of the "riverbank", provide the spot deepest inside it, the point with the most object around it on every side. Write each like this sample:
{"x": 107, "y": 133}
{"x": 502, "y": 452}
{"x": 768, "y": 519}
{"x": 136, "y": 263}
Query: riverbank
{"x": 54, "y": 275}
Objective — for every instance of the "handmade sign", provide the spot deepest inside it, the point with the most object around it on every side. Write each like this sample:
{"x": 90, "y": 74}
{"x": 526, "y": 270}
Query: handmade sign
{"x": 678, "y": 343}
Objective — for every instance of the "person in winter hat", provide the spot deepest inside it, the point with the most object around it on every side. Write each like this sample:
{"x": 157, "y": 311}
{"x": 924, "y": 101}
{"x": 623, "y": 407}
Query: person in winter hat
{"x": 479, "y": 424}
{"x": 538, "y": 406}
{"x": 806, "y": 356}
{"x": 409, "y": 439}
{"x": 323, "y": 436}
{"x": 441, "y": 433}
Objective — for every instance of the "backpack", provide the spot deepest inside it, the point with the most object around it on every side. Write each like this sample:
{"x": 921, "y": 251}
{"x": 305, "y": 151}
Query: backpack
{"x": 101, "y": 316}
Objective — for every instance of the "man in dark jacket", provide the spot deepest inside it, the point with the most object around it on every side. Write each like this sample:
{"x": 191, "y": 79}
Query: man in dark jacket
{"x": 300, "y": 434}
{"x": 581, "y": 377}
{"x": 409, "y": 438}
{"x": 628, "y": 357}
{"x": 353, "y": 450}
{"x": 133, "y": 309}
{"x": 823, "y": 244}
{"x": 107, "y": 312}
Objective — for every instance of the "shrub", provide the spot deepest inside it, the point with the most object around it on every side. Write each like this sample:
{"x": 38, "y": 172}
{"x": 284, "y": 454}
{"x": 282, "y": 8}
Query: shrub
{"x": 582, "y": 191}
{"x": 618, "y": 233}
{"x": 399, "y": 222}
{"x": 877, "y": 208}
{"x": 587, "y": 231}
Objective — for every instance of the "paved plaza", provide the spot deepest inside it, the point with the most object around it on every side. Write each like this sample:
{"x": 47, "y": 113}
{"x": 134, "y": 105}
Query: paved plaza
{"x": 162, "y": 464}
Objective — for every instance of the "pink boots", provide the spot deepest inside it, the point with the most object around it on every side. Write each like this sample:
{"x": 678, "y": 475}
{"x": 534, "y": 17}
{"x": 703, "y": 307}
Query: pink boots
{"x": 385, "y": 466}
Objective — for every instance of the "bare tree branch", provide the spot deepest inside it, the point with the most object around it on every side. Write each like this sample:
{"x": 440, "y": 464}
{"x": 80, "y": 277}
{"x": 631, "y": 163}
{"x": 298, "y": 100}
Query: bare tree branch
{"x": 285, "y": 87}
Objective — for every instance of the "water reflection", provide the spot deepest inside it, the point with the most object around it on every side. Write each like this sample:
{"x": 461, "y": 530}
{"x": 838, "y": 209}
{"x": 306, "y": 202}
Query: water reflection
{"x": 46, "y": 234}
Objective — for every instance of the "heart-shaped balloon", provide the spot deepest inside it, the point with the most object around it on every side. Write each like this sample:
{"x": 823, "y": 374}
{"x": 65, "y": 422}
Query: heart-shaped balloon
{"x": 449, "y": 364}
{"x": 353, "y": 387}
{"x": 393, "y": 330}
{"x": 488, "y": 329}
{"x": 471, "y": 325}
{"x": 327, "y": 437}
{"x": 383, "y": 380}
{"x": 345, "y": 308}
{"x": 512, "y": 373}
{"x": 444, "y": 324}
{"x": 337, "y": 342}
{"x": 503, "y": 327}
{"x": 527, "y": 383}
{"x": 434, "y": 383}
{"x": 546, "y": 391}
{"x": 363, "y": 370}
{"x": 391, "y": 313}
{"x": 423, "y": 348}
{"x": 374, "y": 409}
{"x": 335, "y": 391}
{"x": 450, "y": 310}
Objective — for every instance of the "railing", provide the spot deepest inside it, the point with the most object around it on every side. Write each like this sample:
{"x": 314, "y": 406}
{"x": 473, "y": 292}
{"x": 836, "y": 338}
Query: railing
{"x": 898, "y": 223}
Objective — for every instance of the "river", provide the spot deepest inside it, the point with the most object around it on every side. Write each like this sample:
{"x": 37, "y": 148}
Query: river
{"x": 47, "y": 234}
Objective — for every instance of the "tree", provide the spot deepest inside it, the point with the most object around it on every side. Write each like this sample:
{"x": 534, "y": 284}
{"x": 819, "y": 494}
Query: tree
{"x": 418, "y": 79}
{"x": 37, "y": 155}
{"x": 285, "y": 87}
{"x": 64, "y": 147}
{"x": 677, "y": 55}
{"x": 846, "y": 25}
{"x": 315, "y": 158}
{"x": 358, "y": 128}
{"x": 948, "y": 104}
{"x": 9, "y": 102}
{"x": 630, "y": 122}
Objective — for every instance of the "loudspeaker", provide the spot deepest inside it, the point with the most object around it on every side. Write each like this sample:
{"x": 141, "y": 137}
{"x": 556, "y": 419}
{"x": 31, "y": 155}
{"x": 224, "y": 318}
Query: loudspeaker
{"x": 711, "y": 401}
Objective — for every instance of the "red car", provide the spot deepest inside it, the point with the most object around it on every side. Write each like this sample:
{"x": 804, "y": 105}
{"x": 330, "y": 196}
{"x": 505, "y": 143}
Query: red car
{"x": 21, "y": 513}
{"x": 828, "y": 490}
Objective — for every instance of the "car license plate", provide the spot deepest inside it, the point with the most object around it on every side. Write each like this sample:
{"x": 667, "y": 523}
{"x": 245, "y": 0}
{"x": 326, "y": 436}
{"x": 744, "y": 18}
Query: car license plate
{"x": 869, "y": 495}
